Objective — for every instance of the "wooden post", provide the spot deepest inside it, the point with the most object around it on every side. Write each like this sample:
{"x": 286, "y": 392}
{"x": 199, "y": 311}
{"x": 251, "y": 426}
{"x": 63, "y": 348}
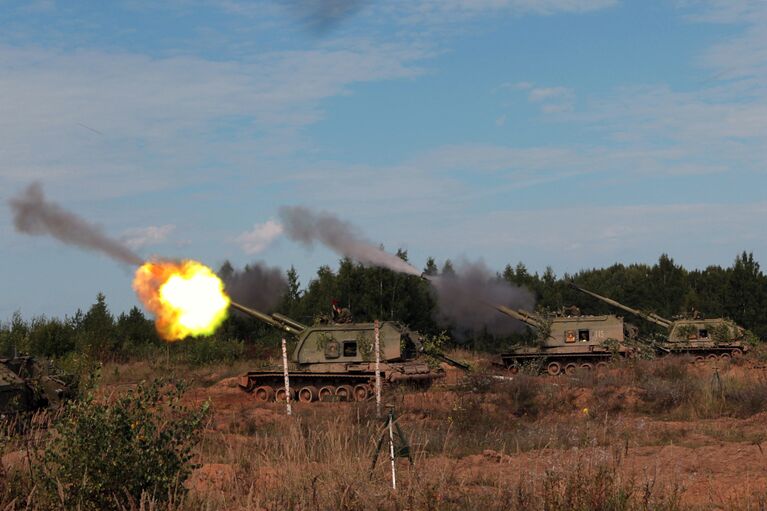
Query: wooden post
{"x": 287, "y": 379}
{"x": 377, "y": 348}
{"x": 391, "y": 450}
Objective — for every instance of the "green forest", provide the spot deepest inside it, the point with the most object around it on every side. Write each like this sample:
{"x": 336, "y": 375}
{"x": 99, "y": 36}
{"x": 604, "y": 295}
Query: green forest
{"x": 738, "y": 292}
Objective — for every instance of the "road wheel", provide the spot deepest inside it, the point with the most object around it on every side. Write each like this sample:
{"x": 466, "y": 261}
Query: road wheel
{"x": 724, "y": 357}
{"x": 280, "y": 395}
{"x": 344, "y": 393}
{"x": 570, "y": 369}
{"x": 264, "y": 394}
{"x": 712, "y": 357}
{"x": 699, "y": 360}
{"x": 737, "y": 353}
{"x": 554, "y": 368}
{"x": 361, "y": 392}
{"x": 308, "y": 394}
{"x": 325, "y": 393}
{"x": 601, "y": 366}
{"x": 587, "y": 366}
{"x": 514, "y": 369}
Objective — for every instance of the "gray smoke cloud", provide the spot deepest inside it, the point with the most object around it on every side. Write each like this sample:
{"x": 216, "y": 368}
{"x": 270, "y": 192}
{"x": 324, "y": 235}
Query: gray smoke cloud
{"x": 464, "y": 300}
{"x": 34, "y": 215}
{"x": 257, "y": 285}
{"x": 308, "y": 227}
{"x": 322, "y": 16}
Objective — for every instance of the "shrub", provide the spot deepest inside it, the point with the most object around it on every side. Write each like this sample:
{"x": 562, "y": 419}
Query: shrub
{"x": 106, "y": 454}
{"x": 745, "y": 398}
{"x": 664, "y": 395}
{"x": 208, "y": 350}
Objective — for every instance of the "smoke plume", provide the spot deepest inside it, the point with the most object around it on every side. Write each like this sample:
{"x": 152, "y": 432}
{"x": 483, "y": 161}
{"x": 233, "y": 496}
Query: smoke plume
{"x": 322, "y": 16}
{"x": 33, "y": 215}
{"x": 308, "y": 227}
{"x": 257, "y": 285}
{"x": 465, "y": 300}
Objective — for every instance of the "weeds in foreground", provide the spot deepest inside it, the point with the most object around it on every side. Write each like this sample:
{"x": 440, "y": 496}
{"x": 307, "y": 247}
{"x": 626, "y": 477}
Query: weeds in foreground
{"x": 320, "y": 459}
{"x": 326, "y": 465}
{"x": 112, "y": 454}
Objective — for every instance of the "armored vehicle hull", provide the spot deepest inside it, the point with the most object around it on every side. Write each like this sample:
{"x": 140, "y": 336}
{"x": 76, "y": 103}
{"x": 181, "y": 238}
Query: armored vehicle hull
{"x": 712, "y": 339}
{"x": 568, "y": 342}
{"x": 308, "y": 386}
{"x": 703, "y": 339}
{"x": 26, "y": 385}
{"x": 337, "y": 361}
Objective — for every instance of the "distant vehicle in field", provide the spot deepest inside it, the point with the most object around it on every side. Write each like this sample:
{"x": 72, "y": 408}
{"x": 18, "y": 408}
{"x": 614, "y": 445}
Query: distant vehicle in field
{"x": 568, "y": 342}
{"x": 337, "y": 360}
{"x": 714, "y": 338}
{"x": 28, "y": 385}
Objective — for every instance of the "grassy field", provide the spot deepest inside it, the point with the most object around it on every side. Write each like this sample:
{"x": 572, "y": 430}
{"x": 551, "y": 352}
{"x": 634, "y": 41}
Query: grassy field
{"x": 660, "y": 434}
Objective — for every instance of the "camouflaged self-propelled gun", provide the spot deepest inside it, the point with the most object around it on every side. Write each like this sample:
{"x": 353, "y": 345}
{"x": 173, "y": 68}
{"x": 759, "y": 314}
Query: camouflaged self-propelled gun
{"x": 567, "y": 342}
{"x": 714, "y": 338}
{"x": 337, "y": 360}
{"x": 27, "y": 385}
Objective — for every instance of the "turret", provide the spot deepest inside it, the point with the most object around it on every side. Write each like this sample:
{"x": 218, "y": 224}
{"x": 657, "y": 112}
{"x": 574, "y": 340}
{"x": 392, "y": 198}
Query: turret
{"x": 275, "y": 320}
{"x": 649, "y": 316}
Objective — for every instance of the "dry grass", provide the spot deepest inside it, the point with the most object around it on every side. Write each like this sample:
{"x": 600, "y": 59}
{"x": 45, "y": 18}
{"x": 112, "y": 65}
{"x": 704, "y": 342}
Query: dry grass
{"x": 129, "y": 373}
{"x": 324, "y": 463}
{"x": 530, "y": 442}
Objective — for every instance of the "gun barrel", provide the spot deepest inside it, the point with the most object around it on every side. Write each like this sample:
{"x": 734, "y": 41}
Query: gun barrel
{"x": 649, "y": 316}
{"x": 288, "y": 321}
{"x": 520, "y": 315}
{"x": 275, "y": 320}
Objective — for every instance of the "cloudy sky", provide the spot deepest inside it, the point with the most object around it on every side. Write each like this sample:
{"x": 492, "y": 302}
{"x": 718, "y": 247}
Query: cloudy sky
{"x": 570, "y": 133}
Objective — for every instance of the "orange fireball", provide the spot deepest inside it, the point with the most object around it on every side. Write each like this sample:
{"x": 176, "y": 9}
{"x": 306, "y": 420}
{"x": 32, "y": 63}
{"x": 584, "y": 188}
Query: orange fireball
{"x": 186, "y": 297}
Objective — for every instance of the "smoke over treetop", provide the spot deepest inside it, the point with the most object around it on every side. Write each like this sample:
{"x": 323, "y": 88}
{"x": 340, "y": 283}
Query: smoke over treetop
{"x": 464, "y": 300}
{"x": 307, "y": 227}
{"x": 34, "y": 215}
{"x": 321, "y": 16}
{"x": 257, "y": 285}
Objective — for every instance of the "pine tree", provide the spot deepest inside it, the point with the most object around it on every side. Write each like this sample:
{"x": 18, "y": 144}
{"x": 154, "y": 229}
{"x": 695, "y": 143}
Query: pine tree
{"x": 99, "y": 328}
{"x": 431, "y": 267}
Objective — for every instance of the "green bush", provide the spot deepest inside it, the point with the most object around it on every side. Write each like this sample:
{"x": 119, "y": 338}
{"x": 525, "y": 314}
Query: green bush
{"x": 208, "y": 350}
{"x": 110, "y": 455}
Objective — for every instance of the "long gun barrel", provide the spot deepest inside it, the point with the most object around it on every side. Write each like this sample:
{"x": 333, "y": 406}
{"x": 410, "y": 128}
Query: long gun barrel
{"x": 649, "y": 316}
{"x": 278, "y": 321}
{"x": 523, "y": 316}
{"x": 453, "y": 362}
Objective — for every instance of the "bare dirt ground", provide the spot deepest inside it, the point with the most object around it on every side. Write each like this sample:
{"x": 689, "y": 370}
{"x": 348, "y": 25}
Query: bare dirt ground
{"x": 480, "y": 438}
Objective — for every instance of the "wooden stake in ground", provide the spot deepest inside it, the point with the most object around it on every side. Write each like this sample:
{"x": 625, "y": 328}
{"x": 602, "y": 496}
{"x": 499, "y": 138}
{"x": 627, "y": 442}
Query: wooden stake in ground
{"x": 399, "y": 447}
{"x": 391, "y": 450}
{"x": 377, "y": 348}
{"x": 287, "y": 379}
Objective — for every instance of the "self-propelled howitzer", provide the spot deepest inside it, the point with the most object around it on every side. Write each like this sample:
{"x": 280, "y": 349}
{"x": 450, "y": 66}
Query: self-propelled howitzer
{"x": 567, "y": 342}
{"x": 29, "y": 385}
{"x": 703, "y": 338}
{"x": 337, "y": 360}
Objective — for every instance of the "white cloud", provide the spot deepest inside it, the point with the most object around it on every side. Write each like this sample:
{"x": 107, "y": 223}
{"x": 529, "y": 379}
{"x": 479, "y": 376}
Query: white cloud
{"x": 540, "y": 94}
{"x": 441, "y": 11}
{"x": 580, "y": 235}
{"x": 141, "y": 237}
{"x": 155, "y": 119}
{"x": 726, "y": 11}
{"x": 260, "y": 237}
{"x": 551, "y": 99}
{"x": 422, "y": 11}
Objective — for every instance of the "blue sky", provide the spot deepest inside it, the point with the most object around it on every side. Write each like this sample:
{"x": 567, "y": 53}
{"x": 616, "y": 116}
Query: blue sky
{"x": 569, "y": 133}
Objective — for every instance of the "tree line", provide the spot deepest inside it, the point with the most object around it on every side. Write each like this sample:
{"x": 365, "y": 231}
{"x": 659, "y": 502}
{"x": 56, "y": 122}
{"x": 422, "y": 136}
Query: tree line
{"x": 738, "y": 292}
